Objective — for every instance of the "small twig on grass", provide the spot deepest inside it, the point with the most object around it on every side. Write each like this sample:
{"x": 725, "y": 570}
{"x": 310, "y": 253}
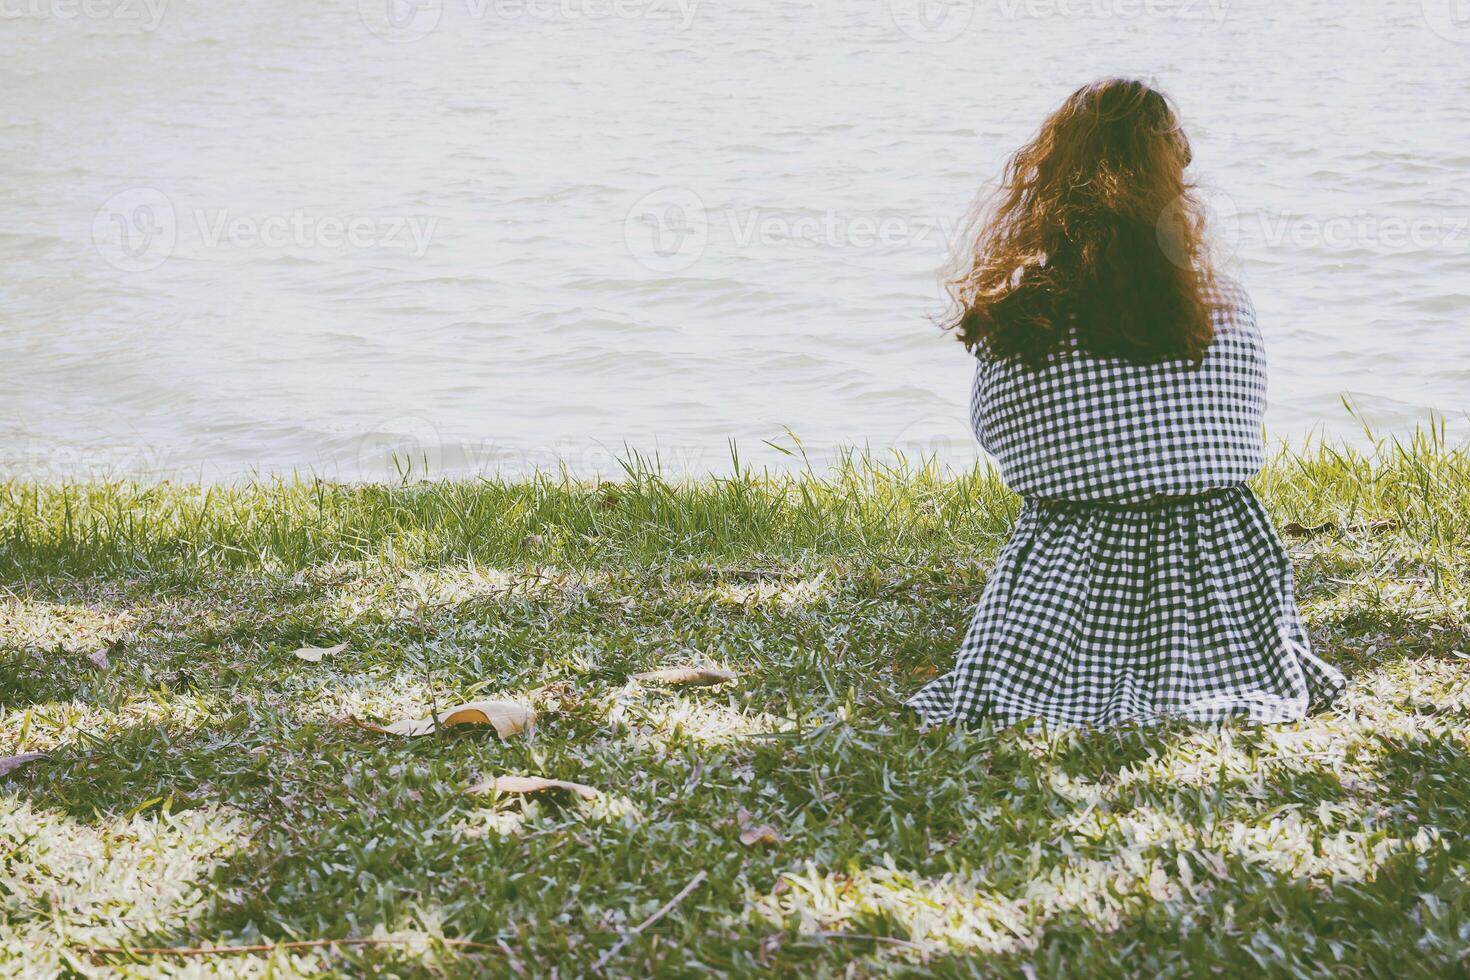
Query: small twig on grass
{"x": 271, "y": 947}
{"x": 632, "y": 934}
{"x": 872, "y": 939}
{"x": 433, "y": 698}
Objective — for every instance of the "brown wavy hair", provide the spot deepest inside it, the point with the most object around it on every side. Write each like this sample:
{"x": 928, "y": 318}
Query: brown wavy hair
{"x": 1094, "y": 229}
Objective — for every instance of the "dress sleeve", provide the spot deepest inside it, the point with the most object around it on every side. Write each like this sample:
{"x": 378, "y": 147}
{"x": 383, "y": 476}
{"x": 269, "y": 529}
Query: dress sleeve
{"x": 1236, "y": 314}
{"x": 978, "y": 400}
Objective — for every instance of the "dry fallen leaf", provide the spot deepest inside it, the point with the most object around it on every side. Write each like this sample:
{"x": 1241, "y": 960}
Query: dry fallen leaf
{"x": 529, "y": 784}
{"x": 314, "y": 655}
{"x": 764, "y": 834}
{"x": 102, "y": 658}
{"x": 1216, "y": 862}
{"x": 508, "y": 718}
{"x": 12, "y": 762}
{"x": 686, "y": 676}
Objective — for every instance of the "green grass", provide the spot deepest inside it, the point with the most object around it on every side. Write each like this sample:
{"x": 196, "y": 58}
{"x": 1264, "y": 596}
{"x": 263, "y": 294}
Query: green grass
{"x": 207, "y": 789}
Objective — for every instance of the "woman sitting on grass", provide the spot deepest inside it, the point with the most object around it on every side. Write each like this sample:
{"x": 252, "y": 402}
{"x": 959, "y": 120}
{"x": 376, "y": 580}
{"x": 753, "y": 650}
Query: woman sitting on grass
{"x": 1120, "y": 387}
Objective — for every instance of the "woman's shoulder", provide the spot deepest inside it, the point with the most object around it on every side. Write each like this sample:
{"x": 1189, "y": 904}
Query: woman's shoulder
{"x": 1232, "y": 312}
{"x": 1232, "y": 308}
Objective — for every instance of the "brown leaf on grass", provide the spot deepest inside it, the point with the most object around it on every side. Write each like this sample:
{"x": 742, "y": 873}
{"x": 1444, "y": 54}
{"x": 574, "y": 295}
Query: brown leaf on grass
{"x": 762, "y": 834}
{"x": 526, "y": 785}
{"x": 753, "y": 834}
{"x": 507, "y": 717}
{"x": 1215, "y": 863}
{"x": 10, "y": 763}
{"x": 314, "y": 655}
{"x": 559, "y": 696}
{"x": 102, "y": 658}
{"x": 686, "y": 676}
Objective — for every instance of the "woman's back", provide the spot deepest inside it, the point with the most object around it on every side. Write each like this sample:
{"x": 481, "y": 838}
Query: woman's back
{"x": 1088, "y": 427}
{"x": 1121, "y": 385}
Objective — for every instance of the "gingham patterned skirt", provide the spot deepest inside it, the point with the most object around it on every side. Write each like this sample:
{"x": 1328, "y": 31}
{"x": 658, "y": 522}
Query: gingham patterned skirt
{"x": 1097, "y": 614}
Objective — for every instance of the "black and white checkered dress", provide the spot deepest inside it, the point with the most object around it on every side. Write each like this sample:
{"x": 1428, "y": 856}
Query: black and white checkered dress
{"x": 1143, "y": 580}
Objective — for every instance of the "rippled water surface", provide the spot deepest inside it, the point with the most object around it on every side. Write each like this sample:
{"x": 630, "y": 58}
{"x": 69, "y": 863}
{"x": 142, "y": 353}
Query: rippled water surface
{"x": 308, "y": 235}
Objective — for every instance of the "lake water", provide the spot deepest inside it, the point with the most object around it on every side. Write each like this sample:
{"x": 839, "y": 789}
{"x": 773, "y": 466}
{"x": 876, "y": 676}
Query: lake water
{"x": 500, "y": 234}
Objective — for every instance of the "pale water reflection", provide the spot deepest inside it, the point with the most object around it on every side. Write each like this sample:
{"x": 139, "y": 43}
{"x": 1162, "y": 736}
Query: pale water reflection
{"x": 311, "y": 235}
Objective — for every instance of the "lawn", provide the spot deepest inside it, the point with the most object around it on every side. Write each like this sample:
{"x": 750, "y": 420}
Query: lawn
{"x": 204, "y": 787}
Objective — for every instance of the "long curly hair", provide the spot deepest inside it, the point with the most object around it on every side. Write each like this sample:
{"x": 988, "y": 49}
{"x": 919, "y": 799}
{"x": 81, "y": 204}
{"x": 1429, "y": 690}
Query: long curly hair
{"x": 1095, "y": 234}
